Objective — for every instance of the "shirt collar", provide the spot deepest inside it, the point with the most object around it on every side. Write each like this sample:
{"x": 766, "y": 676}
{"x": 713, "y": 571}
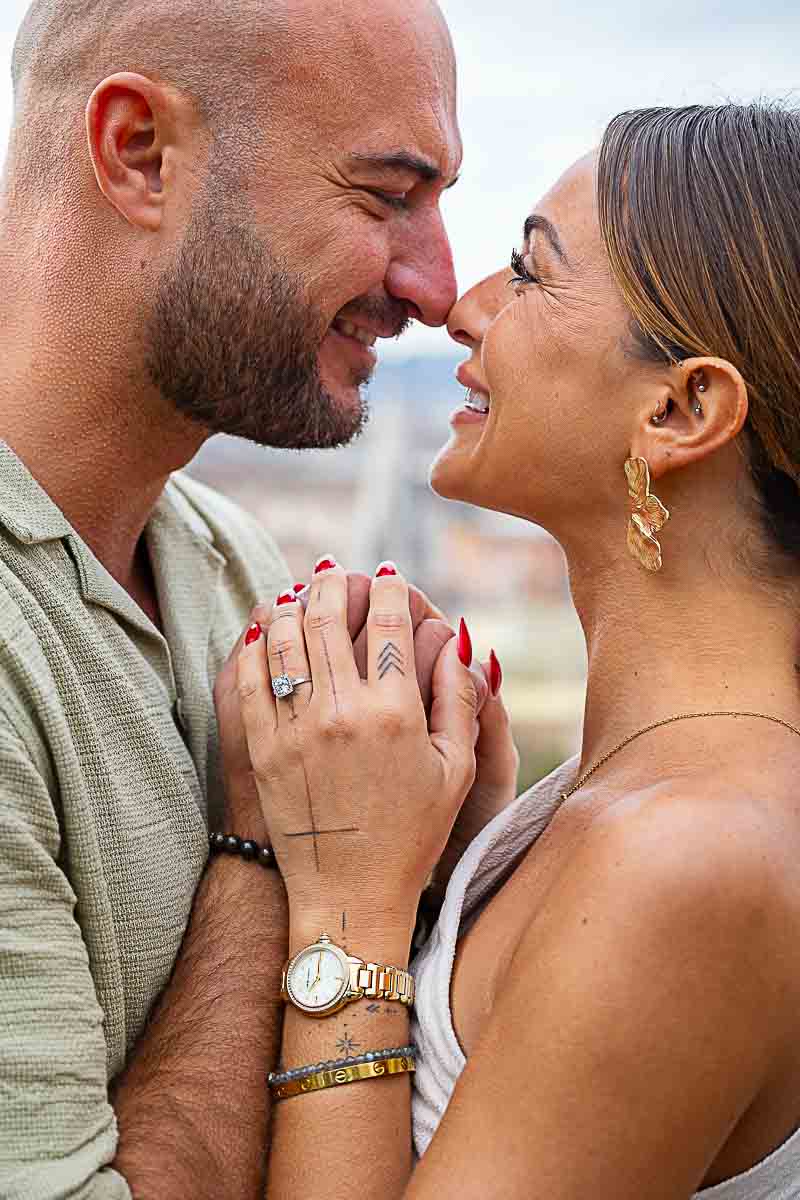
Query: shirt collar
{"x": 26, "y": 510}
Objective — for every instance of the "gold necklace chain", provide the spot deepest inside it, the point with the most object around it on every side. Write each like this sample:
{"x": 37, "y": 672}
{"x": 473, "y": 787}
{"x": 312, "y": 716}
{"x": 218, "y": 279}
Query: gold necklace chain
{"x": 670, "y": 721}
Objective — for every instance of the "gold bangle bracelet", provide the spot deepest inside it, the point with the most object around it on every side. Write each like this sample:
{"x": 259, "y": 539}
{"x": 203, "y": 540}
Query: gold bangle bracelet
{"x": 343, "y": 1075}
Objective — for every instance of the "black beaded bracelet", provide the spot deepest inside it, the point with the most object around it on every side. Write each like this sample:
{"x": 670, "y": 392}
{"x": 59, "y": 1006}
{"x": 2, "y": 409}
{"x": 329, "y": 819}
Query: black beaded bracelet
{"x": 229, "y": 843}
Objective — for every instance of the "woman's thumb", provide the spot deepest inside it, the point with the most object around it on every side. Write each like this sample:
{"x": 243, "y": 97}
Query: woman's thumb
{"x": 453, "y": 722}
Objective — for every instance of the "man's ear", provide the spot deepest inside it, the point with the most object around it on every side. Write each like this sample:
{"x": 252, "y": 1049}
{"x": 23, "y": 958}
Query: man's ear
{"x": 700, "y": 409}
{"x": 125, "y": 121}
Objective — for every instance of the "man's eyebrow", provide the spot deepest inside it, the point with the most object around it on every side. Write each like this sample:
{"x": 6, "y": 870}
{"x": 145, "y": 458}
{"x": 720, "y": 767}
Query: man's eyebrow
{"x": 534, "y": 222}
{"x": 403, "y": 163}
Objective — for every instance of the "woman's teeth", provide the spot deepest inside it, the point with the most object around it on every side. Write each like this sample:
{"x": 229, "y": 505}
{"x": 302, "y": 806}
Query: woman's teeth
{"x": 353, "y": 331}
{"x": 476, "y": 403}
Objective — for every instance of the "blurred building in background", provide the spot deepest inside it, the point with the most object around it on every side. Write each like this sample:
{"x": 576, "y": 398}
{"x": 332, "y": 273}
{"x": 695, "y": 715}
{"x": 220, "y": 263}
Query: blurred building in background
{"x": 371, "y": 501}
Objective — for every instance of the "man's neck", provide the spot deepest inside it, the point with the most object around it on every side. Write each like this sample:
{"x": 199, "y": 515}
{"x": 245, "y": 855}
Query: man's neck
{"x": 106, "y": 474}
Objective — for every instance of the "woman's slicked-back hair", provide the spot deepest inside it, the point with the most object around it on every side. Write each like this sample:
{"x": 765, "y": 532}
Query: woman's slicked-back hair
{"x": 700, "y": 213}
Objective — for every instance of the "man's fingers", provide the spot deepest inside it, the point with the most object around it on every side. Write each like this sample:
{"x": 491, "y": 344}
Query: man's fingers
{"x": 430, "y": 638}
{"x": 422, "y": 608}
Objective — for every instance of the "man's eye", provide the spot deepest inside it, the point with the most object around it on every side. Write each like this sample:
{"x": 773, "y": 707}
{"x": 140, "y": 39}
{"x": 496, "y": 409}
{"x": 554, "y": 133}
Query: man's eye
{"x": 391, "y": 199}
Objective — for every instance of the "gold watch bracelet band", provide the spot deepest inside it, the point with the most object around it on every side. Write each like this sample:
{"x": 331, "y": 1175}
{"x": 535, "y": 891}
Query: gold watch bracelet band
{"x": 376, "y": 982}
{"x": 343, "y": 1075}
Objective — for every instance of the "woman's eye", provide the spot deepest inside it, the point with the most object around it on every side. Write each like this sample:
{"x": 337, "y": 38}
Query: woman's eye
{"x": 522, "y": 276}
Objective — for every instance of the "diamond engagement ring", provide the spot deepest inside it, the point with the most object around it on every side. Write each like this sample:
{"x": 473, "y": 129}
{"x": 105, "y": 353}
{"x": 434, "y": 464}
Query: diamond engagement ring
{"x": 283, "y": 686}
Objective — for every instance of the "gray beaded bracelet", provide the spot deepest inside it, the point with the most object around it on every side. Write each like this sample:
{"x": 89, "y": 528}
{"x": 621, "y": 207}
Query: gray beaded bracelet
{"x": 275, "y": 1079}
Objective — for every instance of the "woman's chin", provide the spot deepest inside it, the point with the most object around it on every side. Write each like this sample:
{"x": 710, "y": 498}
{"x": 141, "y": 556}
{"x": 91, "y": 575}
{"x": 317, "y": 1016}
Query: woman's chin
{"x": 453, "y": 474}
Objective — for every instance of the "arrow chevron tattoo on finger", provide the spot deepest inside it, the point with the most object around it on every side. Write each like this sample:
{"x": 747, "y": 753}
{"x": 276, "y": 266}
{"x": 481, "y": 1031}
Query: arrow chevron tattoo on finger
{"x": 390, "y": 659}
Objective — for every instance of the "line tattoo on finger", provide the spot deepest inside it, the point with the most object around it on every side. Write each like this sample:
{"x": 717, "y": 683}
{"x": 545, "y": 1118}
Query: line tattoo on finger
{"x": 390, "y": 659}
{"x": 329, "y": 665}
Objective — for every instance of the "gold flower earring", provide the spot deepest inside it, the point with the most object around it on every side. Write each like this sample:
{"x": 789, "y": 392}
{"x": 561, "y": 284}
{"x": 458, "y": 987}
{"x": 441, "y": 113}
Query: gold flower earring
{"x": 647, "y": 518}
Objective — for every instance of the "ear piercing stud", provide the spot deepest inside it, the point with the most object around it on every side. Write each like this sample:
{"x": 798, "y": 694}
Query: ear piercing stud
{"x": 660, "y": 415}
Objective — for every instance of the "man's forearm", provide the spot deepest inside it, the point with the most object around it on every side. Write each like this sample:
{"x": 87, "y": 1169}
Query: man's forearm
{"x": 192, "y": 1105}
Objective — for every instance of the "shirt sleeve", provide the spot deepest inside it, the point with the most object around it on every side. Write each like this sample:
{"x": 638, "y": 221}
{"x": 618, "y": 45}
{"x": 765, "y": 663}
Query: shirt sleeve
{"x": 58, "y": 1133}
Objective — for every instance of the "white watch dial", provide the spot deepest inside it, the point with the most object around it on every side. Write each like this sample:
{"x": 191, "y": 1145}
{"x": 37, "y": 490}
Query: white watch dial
{"x": 317, "y": 978}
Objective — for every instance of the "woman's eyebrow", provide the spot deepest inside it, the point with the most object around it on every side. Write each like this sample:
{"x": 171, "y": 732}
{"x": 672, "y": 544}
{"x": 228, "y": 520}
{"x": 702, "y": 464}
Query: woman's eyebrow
{"x": 537, "y": 222}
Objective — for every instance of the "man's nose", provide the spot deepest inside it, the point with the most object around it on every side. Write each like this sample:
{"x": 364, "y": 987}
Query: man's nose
{"x": 421, "y": 272}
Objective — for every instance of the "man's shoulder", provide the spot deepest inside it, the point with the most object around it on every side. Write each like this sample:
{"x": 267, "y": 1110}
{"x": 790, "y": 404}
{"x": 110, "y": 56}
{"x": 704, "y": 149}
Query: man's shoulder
{"x": 235, "y": 532}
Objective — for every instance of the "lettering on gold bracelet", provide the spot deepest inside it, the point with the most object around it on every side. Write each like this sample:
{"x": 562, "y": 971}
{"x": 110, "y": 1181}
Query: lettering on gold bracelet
{"x": 379, "y": 1068}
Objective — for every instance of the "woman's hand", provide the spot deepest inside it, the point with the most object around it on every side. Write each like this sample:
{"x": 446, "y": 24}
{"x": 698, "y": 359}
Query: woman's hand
{"x": 496, "y": 779}
{"x": 358, "y": 794}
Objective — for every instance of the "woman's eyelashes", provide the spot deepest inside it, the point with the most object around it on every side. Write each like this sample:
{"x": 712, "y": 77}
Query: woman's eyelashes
{"x": 522, "y": 276}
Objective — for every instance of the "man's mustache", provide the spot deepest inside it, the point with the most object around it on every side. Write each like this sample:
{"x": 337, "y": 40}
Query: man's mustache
{"x": 386, "y": 315}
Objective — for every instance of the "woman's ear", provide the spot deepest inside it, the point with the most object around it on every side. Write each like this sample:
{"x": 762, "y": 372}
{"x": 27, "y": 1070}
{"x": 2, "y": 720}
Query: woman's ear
{"x": 124, "y": 125}
{"x": 701, "y": 409}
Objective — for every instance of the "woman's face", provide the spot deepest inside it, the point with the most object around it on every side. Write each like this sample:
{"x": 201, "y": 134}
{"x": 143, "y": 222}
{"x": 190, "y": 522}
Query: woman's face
{"x": 548, "y": 359}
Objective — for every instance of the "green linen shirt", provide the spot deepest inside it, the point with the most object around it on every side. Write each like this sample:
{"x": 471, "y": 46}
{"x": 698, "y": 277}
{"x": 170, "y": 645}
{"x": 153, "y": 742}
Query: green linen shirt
{"x": 109, "y": 778}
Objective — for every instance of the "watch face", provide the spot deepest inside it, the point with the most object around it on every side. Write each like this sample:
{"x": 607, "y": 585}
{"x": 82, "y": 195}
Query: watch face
{"x": 317, "y": 978}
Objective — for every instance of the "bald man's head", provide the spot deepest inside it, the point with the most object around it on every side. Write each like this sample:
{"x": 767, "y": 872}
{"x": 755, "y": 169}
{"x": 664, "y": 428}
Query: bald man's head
{"x": 277, "y": 167}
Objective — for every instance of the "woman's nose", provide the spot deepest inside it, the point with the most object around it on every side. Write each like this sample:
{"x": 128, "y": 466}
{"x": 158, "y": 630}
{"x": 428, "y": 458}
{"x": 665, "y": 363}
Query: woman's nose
{"x": 474, "y": 312}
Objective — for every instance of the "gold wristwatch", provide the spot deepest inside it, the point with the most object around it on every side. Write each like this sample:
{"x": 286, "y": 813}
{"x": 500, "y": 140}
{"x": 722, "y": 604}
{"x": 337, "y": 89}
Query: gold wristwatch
{"x": 322, "y": 978}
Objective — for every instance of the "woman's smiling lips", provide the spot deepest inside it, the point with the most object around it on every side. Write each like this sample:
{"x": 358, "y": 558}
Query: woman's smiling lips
{"x": 476, "y": 405}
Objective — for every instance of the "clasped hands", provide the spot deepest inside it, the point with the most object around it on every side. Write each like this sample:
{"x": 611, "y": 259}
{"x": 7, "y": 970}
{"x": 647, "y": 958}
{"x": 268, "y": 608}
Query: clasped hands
{"x": 389, "y": 764}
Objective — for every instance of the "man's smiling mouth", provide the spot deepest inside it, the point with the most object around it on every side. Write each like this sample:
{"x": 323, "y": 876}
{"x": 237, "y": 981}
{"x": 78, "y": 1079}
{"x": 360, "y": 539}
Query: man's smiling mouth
{"x": 348, "y": 329}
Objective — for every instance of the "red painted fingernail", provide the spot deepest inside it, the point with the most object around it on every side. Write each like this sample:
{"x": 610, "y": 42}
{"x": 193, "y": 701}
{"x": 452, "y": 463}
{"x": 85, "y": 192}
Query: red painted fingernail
{"x": 386, "y": 568}
{"x": 464, "y": 644}
{"x": 286, "y": 598}
{"x": 495, "y": 674}
{"x": 325, "y": 564}
{"x": 252, "y": 635}
{"x": 299, "y": 587}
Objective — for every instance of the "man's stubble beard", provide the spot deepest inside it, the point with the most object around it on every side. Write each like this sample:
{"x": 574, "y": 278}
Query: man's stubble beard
{"x": 232, "y": 342}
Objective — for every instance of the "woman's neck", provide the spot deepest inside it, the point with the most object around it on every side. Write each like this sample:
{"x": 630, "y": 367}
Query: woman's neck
{"x": 656, "y": 654}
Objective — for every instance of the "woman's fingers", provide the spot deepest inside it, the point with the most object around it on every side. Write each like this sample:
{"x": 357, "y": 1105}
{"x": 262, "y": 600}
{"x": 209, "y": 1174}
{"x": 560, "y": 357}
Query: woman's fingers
{"x": 390, "y": 638}
{"x": 453, "y": 720}
{"x": 328, "y": 642}
{"x": 256, "y": 701}
{"x": 287, "y": 656}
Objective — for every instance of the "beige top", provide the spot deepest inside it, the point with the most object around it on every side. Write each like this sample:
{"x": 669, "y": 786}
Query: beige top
{"x": 109, "y": 776}
{"x": 440, "y": 1058}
